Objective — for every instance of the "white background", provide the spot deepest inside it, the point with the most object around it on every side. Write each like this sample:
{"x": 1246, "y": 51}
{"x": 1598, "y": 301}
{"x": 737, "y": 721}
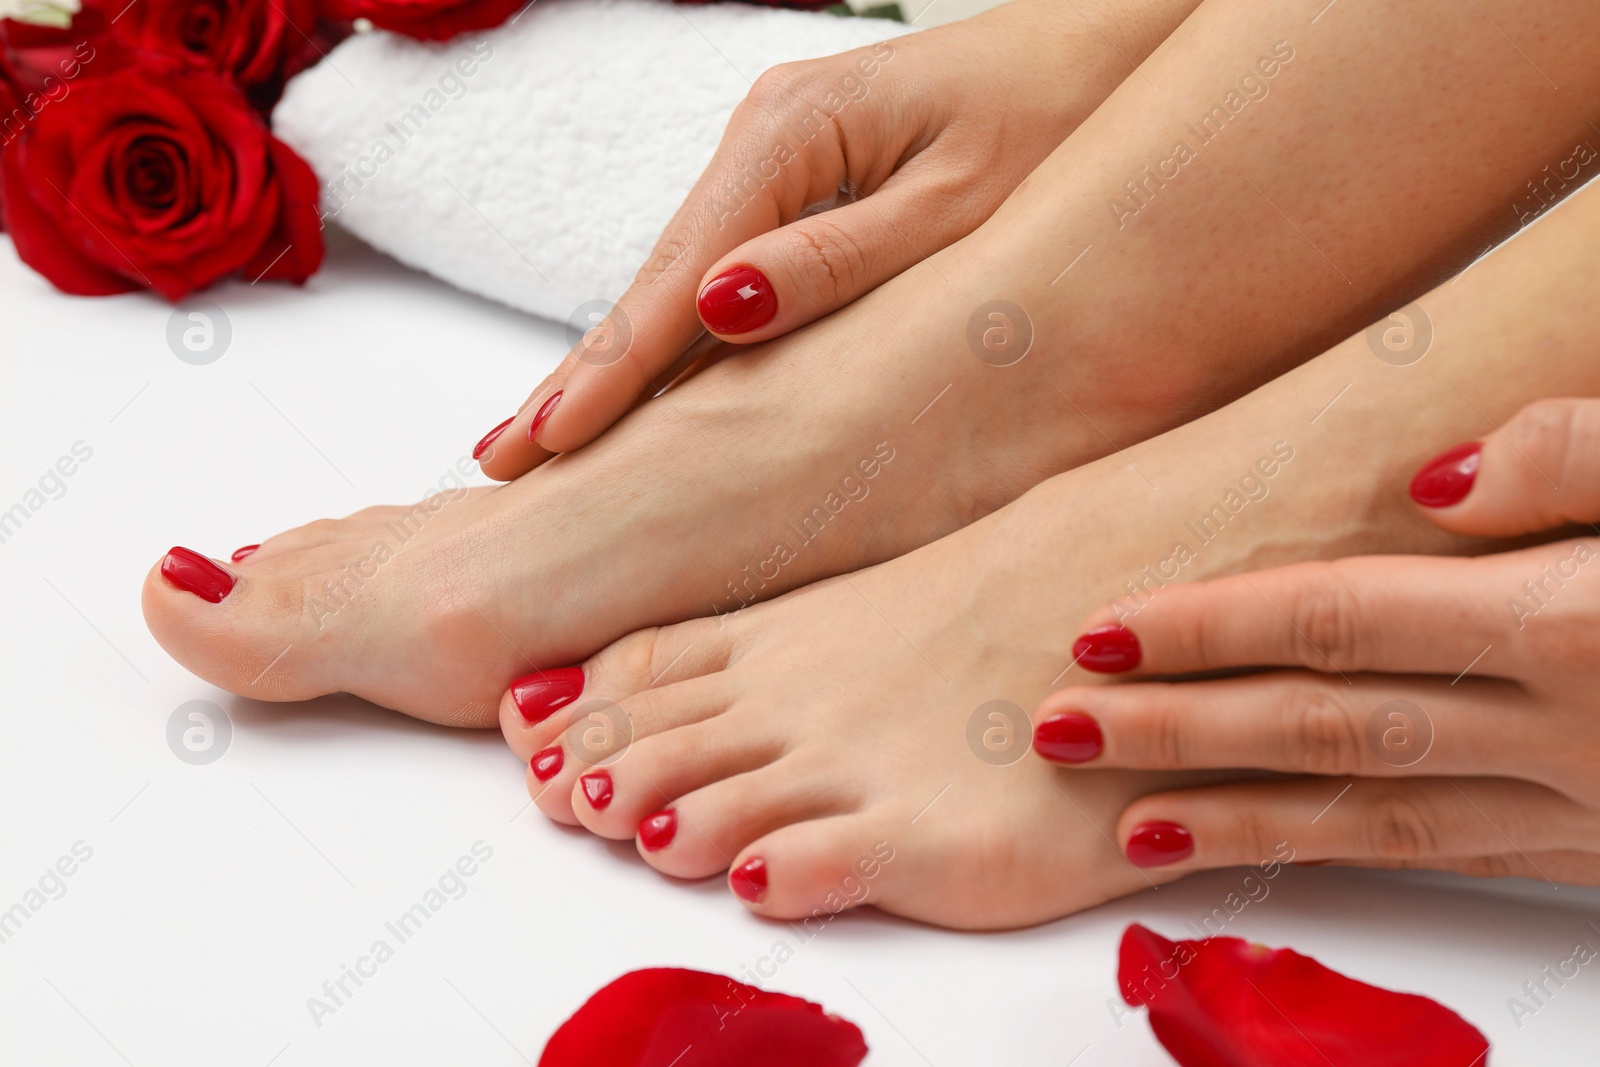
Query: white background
{"x": 220, "y": 897}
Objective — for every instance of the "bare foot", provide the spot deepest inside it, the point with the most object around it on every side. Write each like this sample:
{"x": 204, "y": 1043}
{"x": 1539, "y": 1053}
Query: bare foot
{"x": 859, "y": 742}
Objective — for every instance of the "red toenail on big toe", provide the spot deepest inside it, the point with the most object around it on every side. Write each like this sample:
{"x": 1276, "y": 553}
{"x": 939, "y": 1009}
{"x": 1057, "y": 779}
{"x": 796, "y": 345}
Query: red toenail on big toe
{"x": 547, "y": 764}
{"x": 749, "y": 880}
{"x": 1107, "y": 650}
{"x": 194, "y": 573}
{"x": 597, "y": 789}
{"x": 657, "y": 831}
{"x": 543, "y": 693}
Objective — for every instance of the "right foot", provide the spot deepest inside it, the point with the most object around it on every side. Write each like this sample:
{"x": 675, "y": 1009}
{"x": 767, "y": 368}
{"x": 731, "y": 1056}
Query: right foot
{"x": 891, "y": 423}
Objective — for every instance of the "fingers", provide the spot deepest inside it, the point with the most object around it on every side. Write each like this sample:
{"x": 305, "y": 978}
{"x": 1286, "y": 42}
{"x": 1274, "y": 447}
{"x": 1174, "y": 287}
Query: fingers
{"x": 1381, "y": 613}
{"x": 1412, "y": 821}
{"x": 1300, "y": 723}
{"x": 762, "y": 177}
{"x": 1540, "y": 471}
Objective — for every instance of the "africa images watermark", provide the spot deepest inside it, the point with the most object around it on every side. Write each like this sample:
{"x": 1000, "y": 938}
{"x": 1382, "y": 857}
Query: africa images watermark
{"x": 50, "y": 486}
{"x": 797, "y": 132}
{"x": 344, "y": 186}
{"x": 1253, "y": 487}
{"x": 50, "y": 886}
{"x": 53, "y": 88}
{"x": 1537, "y": 992}
{"x": 852, "y": 488}
{"x": 1252, "y": 87}
{"x": 453, "y": 884}
{"x": 1538, "y": 593}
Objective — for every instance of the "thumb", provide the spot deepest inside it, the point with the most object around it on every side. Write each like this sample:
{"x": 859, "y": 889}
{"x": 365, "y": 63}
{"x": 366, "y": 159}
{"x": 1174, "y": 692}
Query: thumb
{"x": 1540, "y": 472}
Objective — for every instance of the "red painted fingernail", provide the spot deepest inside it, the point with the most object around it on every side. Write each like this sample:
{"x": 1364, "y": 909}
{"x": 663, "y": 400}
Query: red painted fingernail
{"x": 194, "y": 573}
{"x": 241, "y": 553}
{"x": 489, "y": 438}
{"x": 1071, "y": 737}
{"x": 657, "y": 831}
{"x": 750, "y": 880}
{"x": 1107, "y": 650}
{"x": 546, "y": 764}
{"x": 541, "y": 694}
{"x": 545, "y": 411}
{"x": 1156, "y": 844}
{"x": 597, "y": 789}
{"x": 1447, "y": 478}
{"x": 737, "y": 301}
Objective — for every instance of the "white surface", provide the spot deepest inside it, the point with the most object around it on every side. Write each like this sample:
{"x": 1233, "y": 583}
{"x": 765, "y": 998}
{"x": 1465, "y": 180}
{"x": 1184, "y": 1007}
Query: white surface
{"x": 219, "y": 898}
{"x": 538, "y": 163}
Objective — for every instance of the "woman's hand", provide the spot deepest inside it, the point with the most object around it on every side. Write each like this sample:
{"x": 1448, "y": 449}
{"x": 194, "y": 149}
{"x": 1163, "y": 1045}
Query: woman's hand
{"x": 1439, "y": 712}
{"x": 925, "y": 134}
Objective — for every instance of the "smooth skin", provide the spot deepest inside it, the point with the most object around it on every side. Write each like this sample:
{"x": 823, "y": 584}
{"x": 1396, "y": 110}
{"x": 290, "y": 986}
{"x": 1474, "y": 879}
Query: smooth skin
{"x": 1488, "y": 763}
{"x": 795, "y": 738}
{"x": 1294, "y": 227}
{"x": 941, "y": 127}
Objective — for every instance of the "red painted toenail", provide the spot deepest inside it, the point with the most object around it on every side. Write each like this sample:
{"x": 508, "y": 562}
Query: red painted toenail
{"x": 241, "y": 553}
{"x": 750, "y": 880}
{"x": 1155, "y": 844}
{"x": 1071, "y": 737}
{"x": 597, "y": 789}
{"x": 547, "y": 764}
{"x": 489, "y": 438}
{"x": 545, "y": 411}
{"x": 194, "y": 573}
{"x": 543, "y": 693}
{"x": 737, "y": 301}
{"x": 657, "y": 831}
{"x": 1107, "y": 650}
{"x": 1447, "y": 478}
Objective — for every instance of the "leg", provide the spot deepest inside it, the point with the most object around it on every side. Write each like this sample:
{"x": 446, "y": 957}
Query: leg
{"x": 753, "y": 478}
{"x": 802, "y": 742}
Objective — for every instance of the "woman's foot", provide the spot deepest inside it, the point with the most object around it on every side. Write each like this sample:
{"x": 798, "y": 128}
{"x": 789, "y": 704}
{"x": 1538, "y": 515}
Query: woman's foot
{"x": 866, "y": 740}
{"x": 1056, "y": 333}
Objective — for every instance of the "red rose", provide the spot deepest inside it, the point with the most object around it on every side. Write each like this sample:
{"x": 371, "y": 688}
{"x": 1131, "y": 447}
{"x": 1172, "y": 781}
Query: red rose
{"x": 161, "y": 177}
{"x": 426, "y": 20}
{"x": 254, "y": 42}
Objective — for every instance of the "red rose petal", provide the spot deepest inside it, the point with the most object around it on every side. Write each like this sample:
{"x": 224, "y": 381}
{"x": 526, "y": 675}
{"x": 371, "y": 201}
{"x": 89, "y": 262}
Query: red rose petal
{"x": 1224, "y": 1002}
{"x": 664, "y": 1017}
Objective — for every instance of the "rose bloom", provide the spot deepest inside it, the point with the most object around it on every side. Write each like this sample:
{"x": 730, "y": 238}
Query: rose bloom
{"x": 254, "y": 42}
{"x": 160, "y": 177}
{"x": 426, "y": 20}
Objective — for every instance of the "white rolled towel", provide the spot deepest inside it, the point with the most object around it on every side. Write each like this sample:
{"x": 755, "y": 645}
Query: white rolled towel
{"x": 538, "y": 163}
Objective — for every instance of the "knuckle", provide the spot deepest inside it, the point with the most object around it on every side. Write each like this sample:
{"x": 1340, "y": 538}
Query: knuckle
{"x": 1547, "y": 432}
{"x": 777, "y": 89}
{"x": 1325, "y": 617}
{"x": 1254, "y": 837}
{"x": 1397, "y": 827}
{"x": 832, "y": 261}
{"x": 1323, "y": 736}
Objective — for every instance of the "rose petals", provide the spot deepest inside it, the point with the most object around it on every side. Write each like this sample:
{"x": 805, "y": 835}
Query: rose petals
{"x": 1225, "y": 1002}
{"x": 665, "y": 1017}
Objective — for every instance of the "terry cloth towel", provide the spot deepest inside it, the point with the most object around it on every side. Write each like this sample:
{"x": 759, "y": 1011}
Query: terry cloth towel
{"x": 538, "y": 163}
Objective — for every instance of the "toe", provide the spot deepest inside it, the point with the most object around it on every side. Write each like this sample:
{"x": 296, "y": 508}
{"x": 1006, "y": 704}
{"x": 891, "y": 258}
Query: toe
{"x": 658, "y": 770}
{"x": 237, "y": 630}
{"x": 812, "y": 871}
{"x": 713, "y": 825}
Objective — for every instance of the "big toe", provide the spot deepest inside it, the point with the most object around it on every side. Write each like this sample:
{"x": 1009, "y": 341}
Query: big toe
{"x": 237, "y": 630}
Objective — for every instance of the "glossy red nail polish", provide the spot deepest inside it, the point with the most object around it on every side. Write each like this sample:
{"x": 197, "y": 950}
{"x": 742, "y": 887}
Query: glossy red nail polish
{"x": 489, "y": 438}
{"x": 749, "y": 880}
{"x": 543, "y": 693}
{"x": 737, "y": 301}
{"x": 194, "y": 573}
{"x": 1155, "y": 844}
{"x": 546, "y": 764}
{"x": 1070, "y": 737}
{"x": 1447, "y": 478}
{"x": 597, "y": 789}
{"x": 657, "y": 831}
{"x": 545, "y": 411}
{"x": 1107, "y": 650}
{"x": 242, "y": 553}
